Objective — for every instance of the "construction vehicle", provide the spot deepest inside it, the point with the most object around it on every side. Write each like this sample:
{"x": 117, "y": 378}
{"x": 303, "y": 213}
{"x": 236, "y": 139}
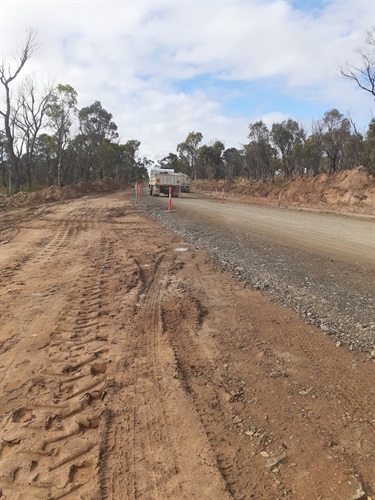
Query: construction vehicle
{"x": 160, "y": 181}
{"x": 186, "y": 181}
{"x": 154, "y": 170}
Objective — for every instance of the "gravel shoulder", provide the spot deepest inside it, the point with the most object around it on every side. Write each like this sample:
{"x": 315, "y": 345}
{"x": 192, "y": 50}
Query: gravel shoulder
{"x": 320, "y": 264}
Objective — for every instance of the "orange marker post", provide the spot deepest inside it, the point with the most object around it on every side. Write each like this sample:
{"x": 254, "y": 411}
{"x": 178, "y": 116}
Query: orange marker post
{"x": 222, "y": 195}
{"x": 170, "y": 199}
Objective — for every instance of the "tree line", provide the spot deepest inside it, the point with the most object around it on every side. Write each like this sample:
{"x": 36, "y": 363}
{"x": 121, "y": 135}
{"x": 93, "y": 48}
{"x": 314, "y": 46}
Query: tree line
{"x": 334, "y": 144}
{"x": 47, "y": 140}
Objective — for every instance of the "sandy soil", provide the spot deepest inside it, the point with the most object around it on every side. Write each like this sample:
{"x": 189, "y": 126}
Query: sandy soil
{"x": 346, "y": 191}
{"x": 132, "y": 367}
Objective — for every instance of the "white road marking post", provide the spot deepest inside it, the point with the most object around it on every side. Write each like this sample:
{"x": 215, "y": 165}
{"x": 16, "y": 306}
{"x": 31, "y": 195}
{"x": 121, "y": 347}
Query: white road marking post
{"x": 278, "y": 204}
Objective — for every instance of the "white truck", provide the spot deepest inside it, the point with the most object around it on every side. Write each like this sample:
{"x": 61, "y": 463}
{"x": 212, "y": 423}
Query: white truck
{"x": 154, "y": 170}
{"x": 160, "y": 181}
{"x": 186, "y": 181}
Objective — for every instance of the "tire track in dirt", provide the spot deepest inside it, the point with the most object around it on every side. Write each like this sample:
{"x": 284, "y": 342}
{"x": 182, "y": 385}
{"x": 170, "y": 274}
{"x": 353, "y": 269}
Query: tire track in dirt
{"x": 277, "y": 376}
{"x": 282, "y": 389}
{"x": 135, "y": 390}
{"x": 56, "y": 431}
{"x": 48, "y": 248}
{"x": 151, "y": 467}
{"x": 143, "y": 454}
{"x": 51, "y": 252}
{"x": 51, "y": 248}
{"x": 203, "y": 382}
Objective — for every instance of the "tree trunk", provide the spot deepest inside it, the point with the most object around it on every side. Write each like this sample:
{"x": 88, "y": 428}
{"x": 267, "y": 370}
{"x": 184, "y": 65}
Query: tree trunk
{"x": 10, "y": 187}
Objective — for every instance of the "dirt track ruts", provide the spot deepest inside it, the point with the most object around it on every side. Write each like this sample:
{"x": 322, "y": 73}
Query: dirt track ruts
{"x": 133, "y": 367}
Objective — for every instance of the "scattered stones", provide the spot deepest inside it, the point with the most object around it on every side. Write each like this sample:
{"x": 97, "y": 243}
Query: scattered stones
{"x": 251, "y": 431}
{"x": 275, "y": 461}
{"x": 276, "y": 374}
{"x": 359, "y": 493}
{"x": 305, "y": 392}
{"x": 262, "y": 438}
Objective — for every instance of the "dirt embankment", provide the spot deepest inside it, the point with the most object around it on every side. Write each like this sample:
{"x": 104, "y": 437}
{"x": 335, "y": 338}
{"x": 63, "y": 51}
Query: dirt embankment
{"x": 54, "y": 193}
{"x": 351, "y": 191}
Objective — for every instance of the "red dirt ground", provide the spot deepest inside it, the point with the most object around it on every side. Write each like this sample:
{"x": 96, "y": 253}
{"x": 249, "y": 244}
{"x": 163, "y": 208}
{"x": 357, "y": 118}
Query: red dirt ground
{"x": 132, "y": 367}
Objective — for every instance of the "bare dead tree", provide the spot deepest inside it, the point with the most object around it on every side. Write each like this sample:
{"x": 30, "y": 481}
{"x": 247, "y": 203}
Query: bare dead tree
{"x": 30, "y": 118}
{"x": 363, "y": 73}
{"x": 8, "y": 73}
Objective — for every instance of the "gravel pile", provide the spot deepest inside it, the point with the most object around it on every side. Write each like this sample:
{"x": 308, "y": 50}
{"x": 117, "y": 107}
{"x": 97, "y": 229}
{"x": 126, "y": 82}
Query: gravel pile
{"x": 315, "y": 289}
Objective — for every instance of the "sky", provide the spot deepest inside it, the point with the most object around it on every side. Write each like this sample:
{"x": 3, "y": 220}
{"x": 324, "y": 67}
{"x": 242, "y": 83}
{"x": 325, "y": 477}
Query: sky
{"x": 167, "y": 68}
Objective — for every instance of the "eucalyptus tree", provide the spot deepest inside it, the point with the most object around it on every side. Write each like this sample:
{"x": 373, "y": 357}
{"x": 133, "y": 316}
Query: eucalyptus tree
{"x": 172, "y": 161}
{"x": 115, "y": 160}
{"x": 8, "y": 74}
{"x": 362, "y": 73}
{"x": 353, "y": 151}
{"x": 189, "y": 149}
{"x": 314, "y": 147}
{"x": 61, "y": 111}
{"x": 258, "y": 153}
{"x": 307, "y": 155}
{"x": 97, "y": 130}
{"x": 233, "y": 163}
{"x": 45, "y": 156}
{"x": 112, "y": 157}
{"x": 285, "y": 137}
{"x": 369, "y": 147}
{"x": 336, "y": 132}
{"x": 131, "y": 163}
{"x": 210, "y": 161}
{"x": 3, "y": 157}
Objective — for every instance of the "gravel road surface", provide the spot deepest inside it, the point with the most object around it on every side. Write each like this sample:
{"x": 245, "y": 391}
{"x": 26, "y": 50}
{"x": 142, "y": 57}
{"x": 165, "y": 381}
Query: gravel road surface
{"x": 321, "y": 264}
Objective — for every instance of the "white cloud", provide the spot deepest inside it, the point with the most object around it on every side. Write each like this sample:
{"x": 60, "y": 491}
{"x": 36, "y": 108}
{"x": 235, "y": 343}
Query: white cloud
{"x": 131, "y": 56}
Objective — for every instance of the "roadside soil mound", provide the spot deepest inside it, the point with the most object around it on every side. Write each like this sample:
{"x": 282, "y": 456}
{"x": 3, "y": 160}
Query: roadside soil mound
{"x": 350, "y": 191}
{"x": 54, "y": 193}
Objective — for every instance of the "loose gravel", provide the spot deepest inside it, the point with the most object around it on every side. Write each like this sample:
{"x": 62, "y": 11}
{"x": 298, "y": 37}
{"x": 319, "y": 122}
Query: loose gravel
{"x": 316, "y": 289}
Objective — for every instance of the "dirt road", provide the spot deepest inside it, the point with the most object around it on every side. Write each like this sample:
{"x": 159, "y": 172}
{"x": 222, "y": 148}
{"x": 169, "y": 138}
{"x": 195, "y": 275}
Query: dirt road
{"x": 348, "y": 239}
{"x": 133, "y": 367}
{"x": 320, "y": 264}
